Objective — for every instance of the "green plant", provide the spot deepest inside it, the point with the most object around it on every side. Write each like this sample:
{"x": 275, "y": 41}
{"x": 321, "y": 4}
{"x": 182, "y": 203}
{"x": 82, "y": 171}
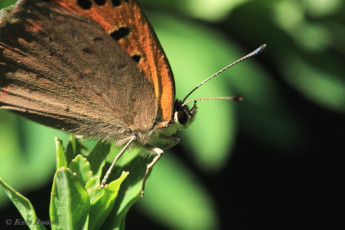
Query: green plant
{"x": 77, "y": 201}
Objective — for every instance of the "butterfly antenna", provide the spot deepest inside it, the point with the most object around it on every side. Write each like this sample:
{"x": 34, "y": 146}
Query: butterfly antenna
{"x": 251, "y": 54}
{"x": 235, "y": 98}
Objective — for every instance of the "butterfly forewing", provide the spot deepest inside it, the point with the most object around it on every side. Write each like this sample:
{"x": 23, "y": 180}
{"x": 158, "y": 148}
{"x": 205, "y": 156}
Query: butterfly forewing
{"x": 125, "y": 22}
{"x": 66, "y": 72}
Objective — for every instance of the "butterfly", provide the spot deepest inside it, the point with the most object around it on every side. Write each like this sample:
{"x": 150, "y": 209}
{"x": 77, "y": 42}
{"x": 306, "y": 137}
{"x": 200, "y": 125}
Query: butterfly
{"x": 91, "y": 68}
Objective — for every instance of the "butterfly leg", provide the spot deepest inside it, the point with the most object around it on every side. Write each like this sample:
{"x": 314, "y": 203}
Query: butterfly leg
{"x": 158, "y": 153}
{"x": 106, "y": 176}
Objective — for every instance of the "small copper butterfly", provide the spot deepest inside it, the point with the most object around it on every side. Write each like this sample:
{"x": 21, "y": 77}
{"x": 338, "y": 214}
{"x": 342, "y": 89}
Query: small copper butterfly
{"x": 92, "y": 68}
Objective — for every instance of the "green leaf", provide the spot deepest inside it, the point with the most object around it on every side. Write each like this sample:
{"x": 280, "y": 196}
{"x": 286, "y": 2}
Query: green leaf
{"x": 74, "y": 147}
{"x": 103, "y": 202}
{"x": 321, "y": 87}
{"x": 23, "y": 205}
{"x": 69, "y": 204}
{"x": 134, "y": 161}
{"x": 77, "y": 201}
{"x": 93, "y": 189}
{"x": 71, "y": 149}
{"x": 61, "y": 160}
{"x": 81, "y": 167}
{"x": 92, "y": 183}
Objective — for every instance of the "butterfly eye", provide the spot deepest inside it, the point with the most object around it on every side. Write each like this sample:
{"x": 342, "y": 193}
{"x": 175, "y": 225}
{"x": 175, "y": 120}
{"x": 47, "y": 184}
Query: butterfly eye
{"x": 182, "y": 117}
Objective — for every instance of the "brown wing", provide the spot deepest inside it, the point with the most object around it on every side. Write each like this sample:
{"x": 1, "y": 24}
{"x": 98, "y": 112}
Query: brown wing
{"x": 64, "y": 71}
{"x": 126, "y": 22}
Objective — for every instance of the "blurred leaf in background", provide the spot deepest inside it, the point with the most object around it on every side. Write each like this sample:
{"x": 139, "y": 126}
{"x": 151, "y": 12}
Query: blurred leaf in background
{"x": 302, "y": 67}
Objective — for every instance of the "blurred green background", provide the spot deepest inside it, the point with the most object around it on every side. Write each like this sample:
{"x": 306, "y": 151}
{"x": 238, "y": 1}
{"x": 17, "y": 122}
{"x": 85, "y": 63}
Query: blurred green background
{"x": 273, "y": 161}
